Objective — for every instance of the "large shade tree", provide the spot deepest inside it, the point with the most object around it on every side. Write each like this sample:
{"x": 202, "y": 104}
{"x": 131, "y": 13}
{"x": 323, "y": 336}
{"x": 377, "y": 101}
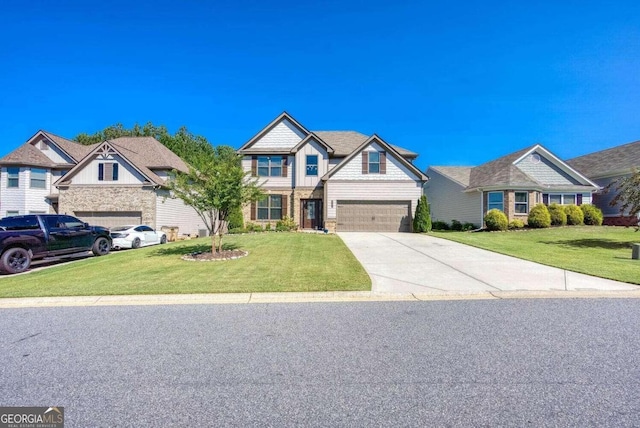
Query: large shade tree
{"x": 215, "y": 187}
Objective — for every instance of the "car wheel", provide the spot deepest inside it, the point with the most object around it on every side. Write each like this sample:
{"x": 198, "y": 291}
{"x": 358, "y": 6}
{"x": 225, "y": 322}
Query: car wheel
{"x": 16, "y": 260}
{"x": 101, "y": 246}
{"x": 163, "y": 240}
{"x": 135, "y": 243}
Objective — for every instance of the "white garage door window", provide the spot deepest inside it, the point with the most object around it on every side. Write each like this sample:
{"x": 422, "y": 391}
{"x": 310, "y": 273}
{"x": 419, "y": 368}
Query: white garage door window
{"x": 373, "y": 216}
{"x": 110, "y": 218}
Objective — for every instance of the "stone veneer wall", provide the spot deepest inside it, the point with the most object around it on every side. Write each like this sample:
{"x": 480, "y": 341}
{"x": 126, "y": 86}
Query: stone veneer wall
{"x": 99, "y": 198}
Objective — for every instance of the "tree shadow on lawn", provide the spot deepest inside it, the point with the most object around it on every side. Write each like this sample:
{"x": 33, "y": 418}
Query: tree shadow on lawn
{"x": 606, "y": 244}
{"x": 181, "y": 250}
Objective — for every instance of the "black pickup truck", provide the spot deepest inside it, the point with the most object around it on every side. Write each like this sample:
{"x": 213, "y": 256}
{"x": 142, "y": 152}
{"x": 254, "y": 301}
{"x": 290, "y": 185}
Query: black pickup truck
{"x": 36, "y": 236}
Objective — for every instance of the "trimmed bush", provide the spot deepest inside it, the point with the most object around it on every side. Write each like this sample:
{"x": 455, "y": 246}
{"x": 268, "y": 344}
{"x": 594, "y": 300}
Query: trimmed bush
{"x": 558, "y": 216}
{"x": 539, "y": 217}
{"x": 574, "y": 215}
{"x": 496, "y": 220}
{"x": 456, "y": 225}
{"x": 235, "y": 219}
{"x": 516, "y": 224}
{"x": 422, "y": 217}
{"x": 468, "y": 226}
{"x": 440, "y": 225}
{"x": 592, "y": 215}
{"x": 286, "y": 224}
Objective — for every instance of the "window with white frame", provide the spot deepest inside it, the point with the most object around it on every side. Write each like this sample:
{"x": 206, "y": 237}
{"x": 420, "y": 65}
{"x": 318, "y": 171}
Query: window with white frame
{"x": 312, "y": 165}
{"x": 13, "y": 177}
{"x": 374, "y": 162}
{"x": 270, "y": 166}
{"x": 562, "y": 198}
{"x": 495, "y": 200}
{"x": 10, "y": 213}
{"x": 521, "y": 202}
{"x": 38, "y": 178}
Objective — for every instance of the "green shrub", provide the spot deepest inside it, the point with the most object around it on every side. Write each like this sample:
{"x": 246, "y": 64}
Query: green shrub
{"x": 286, "y": 224}
{"x": 440, "y": 225}
{"x": 574, "y": 215}
{"x": 253, "y": 227}
{"x": 456, "y": 225}
{"x": 422, "y": 217}
{"x": 496, "y": 220}
{"x": 235, "y": 219}
{"x": 592, "y": 215}
{"x": 558, "y": 216}
{"x": 468, "y": 226}
{"x": 516, "y": 224}
{"x": 267, "y": 227}
{"x": 539, "y": 216}
{"x": 237, "y": 230}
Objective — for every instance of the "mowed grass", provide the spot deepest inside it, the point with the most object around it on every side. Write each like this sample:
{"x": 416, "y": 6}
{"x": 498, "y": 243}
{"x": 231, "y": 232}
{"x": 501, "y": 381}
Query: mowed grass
{"x": 277, "y": 262}
{"x": 600, "y": 251}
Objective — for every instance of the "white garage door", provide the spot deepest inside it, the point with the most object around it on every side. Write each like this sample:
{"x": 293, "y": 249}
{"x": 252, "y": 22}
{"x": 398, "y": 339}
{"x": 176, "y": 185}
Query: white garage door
{"x": 374, "y": 216}
{"x": 110, "y": 218}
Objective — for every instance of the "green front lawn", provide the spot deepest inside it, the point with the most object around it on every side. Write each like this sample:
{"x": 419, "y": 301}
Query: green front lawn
{"x": 276, "y": 262}
{"x": 599, "y": 251}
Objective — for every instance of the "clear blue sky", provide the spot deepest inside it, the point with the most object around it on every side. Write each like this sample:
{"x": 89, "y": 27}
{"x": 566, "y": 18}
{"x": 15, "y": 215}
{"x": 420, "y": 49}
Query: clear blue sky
{"x": 460, "y": 83}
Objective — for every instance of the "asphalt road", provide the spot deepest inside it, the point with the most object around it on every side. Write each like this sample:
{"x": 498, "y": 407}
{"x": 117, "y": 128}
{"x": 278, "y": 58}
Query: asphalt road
{"x": 441, "y": 363}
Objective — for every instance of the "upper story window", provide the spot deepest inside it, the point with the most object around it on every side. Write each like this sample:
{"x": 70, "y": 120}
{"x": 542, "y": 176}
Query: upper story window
{"x": 13, "y": 177}
{"x": 374, "y": 163}
{"x": 108, "y": 171}
{"x": 521, "y": 202}
{"x": 495, "y": 200}
{"x": 312, "y": 165}
{"x": 38, "y": 178}
{"x": 269, "y": 166}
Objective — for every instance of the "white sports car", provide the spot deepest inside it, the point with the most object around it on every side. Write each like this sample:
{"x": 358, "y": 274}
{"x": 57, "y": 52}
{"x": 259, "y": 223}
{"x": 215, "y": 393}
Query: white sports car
{"x": 136, "y": 236}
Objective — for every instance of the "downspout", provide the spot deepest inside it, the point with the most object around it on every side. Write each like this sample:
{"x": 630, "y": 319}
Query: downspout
{"x": 481, "y": 208}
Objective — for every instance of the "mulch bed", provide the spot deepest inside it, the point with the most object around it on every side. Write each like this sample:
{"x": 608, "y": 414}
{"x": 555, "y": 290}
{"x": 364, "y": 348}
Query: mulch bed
{"x": 213, "y": 257}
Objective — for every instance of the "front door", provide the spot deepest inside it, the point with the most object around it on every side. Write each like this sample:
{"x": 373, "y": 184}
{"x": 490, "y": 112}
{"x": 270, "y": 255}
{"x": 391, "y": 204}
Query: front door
{"x": 311, "y": 213}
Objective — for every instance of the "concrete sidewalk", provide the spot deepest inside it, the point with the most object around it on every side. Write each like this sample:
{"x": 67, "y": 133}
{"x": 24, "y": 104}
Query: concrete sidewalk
{"x": 422, "y": 264}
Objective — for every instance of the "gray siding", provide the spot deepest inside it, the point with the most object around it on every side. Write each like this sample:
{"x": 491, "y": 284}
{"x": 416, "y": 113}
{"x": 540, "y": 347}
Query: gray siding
{"x": 448, "y": 200}
{"x": 545, "y": 171}
{"x": 602, "y": 198}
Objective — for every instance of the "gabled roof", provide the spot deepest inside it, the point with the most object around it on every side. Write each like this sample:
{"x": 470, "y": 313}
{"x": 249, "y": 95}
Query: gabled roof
{"x": 313, "y": 137}
{"x": 345, "y": 142}
{"x": 270, "y": 126}
{"x": 614, "y": 161}
{"x": 27, "y": 154}
{"x": 388, "y": 148}
{"x": 504, "y": 173}
{"x": 143, "y": 153}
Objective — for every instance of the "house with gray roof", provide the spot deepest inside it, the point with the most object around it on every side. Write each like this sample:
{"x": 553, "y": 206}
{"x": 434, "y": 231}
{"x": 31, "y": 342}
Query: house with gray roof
{"x": 513, "y": 183}
{"x": 605, "y": 168}
{"x": 117, "y": 182}
{"x": 335, "y": 180}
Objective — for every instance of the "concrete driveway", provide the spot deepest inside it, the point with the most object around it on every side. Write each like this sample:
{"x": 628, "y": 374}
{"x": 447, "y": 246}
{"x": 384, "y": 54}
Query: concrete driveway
{"x": 415, "y": 263}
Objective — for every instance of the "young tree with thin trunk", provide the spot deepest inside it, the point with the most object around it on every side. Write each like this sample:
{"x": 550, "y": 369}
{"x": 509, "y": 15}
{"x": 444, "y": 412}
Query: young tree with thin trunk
{"x": 216, "y": 186}
{"x": 627, "y": 194}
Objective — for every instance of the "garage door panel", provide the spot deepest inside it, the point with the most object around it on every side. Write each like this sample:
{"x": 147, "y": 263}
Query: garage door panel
{"x": 373, "y": 216}
{"x": 110, "y": 218}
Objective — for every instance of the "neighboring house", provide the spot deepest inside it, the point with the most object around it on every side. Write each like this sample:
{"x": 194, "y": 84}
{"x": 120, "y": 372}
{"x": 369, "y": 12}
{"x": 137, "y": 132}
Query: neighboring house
{"x": 338, "y": 180}
{"x": 605, "y": 167}
{"x": 513, "y": 184}
{"x": 117, "y": 182}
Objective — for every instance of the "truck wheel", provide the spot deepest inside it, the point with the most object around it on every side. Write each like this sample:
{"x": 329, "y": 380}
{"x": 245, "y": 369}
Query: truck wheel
{"x": 101, "y": 246}
{"x": 135, "y": 243}
{"x": 16, "y": 260}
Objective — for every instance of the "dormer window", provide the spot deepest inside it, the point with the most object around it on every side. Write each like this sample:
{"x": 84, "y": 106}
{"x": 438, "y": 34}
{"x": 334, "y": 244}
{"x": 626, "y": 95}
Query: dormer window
{"x": 108, "y": 171}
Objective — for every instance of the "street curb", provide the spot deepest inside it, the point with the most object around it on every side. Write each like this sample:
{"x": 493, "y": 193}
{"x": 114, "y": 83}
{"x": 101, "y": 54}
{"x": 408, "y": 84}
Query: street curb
{"x": 300, "y": 297}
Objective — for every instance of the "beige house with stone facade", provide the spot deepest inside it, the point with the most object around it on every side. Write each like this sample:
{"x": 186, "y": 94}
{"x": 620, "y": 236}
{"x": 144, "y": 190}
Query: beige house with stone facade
{"x": 116, "y": 182}
{"x": 513, "y": 184}
{"x": 334, "y": 180}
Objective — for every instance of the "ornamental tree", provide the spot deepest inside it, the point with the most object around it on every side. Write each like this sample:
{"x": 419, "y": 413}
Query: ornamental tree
{"x": 628, "y": 194}
{"x": 216, "y": 187}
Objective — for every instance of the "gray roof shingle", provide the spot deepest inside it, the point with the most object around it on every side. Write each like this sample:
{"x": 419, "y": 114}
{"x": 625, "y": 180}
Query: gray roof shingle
{"x": 501, "y": 171}
{"x": 345, "y": 142}
{"x": 460, "y": 174}
{"x": 610, "y": 161}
